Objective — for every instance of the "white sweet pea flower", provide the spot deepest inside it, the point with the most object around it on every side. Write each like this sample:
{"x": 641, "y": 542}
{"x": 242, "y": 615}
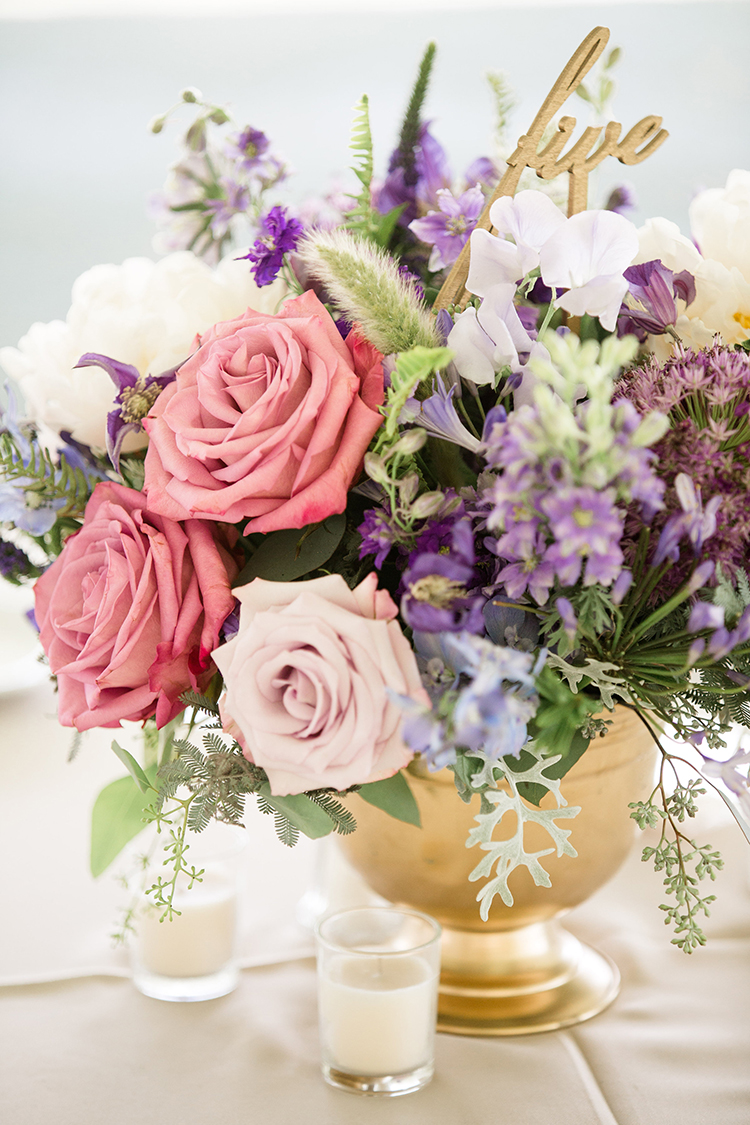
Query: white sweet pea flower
{"x": 529, "y": 219}
{"x": 588, "y": 256}
{"x": 141, "y": 312}
{"x": 488, "y": 339}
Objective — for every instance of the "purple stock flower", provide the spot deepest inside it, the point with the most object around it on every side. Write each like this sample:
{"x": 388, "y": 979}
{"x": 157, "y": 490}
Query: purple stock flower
{"x": 378, "y": 535}
{"x": 136, "y": 394}
{"x": 447, "y": 230}
{"x": 438, "y": 586}
{"x": 649, "y": 306}
{"x": 281, "y": 233}
{"x": 14, "y": 562}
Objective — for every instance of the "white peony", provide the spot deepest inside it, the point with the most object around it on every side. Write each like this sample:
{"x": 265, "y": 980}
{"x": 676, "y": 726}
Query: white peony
{"x": 720, "y": 222}
{"x": 144, "y": 313}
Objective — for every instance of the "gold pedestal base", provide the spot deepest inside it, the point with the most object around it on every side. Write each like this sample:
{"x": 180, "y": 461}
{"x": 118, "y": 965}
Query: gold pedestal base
{"x": 518, "y": 982}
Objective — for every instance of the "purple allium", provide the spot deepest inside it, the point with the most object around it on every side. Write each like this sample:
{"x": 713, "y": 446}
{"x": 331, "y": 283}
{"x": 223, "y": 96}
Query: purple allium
{"x": 649, "y": 306}
{"x": 440, "y": 594}
{"x": 136, "y": 394}
{"x": 704, "y": 394}
{"x": 447, "y": 230}
{"x": 281, "y": 233}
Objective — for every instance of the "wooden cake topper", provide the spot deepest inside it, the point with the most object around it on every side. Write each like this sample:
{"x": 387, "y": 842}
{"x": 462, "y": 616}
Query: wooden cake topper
{"x": 643, "y": 139}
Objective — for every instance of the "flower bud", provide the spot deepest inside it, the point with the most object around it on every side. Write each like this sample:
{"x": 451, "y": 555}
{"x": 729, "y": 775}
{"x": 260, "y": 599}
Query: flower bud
{"x": 375, "y": 468}
{"x": 700, "y": 576}
{"x": 156, "y": 124}
{"x": 219, "y": 117}
{"x": 427, "y": 505}
{"x": 407, "y": 487}
{"x": 410, "y": 442}
{"x": 195, "y": 138}
{"x": 190, "y": 94}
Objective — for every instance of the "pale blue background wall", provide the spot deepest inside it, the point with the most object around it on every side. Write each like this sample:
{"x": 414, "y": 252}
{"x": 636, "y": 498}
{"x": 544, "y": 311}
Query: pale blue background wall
{"x": 75, "y": 97}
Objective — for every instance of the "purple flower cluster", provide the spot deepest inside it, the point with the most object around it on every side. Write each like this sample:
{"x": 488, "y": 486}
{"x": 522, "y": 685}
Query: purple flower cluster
{"x": 706, "y": 395}
{"x": 710, "y": 618}
{"x": 488, "y": 708}
{"x": 553, "y": 528}
{"x": 281, "y": 233}
{"x": 439, "y": 589}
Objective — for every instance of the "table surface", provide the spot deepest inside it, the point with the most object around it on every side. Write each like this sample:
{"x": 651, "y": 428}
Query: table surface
{"x": 80, "y": 1045}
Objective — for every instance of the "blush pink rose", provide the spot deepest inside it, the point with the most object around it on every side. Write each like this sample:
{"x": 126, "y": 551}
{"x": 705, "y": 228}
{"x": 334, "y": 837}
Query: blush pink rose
{"x": 130, "y": 610}
{"x": 307, "y": 679}
{"x": 269, "y": 421}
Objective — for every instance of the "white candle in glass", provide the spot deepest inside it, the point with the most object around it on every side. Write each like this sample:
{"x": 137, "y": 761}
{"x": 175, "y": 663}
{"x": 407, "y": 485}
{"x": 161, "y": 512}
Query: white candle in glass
{"x": 378, "y": 973}
{"x": 377, "y": 1015}
{"x": 199, "y": 940}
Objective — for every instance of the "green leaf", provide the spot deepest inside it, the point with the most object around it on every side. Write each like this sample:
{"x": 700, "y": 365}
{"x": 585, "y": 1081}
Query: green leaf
{"x": 394, "y": 797}
{"x": 300, "y": 811}
{"x": 117, "y": 817}
{"x": 285, "y": 556}
{"x": 135, "y": 771}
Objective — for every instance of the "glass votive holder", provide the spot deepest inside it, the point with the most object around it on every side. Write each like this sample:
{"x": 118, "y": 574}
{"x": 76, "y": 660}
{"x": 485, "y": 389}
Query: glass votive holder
{"x": 192, "y": 957}
{"x": 378, "y": 973}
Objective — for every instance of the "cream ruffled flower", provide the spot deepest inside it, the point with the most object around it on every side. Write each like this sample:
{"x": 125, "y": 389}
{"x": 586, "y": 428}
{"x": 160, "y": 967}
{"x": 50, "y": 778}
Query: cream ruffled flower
{"x": 720, "y": 222}
{"x": 141, "y": 312}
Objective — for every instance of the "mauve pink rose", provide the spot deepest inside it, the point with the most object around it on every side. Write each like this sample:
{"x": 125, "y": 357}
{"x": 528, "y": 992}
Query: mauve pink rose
{"x": 130, "y": 610}
{"x": 269, "y": 421}
{"x": 306, "y": 682}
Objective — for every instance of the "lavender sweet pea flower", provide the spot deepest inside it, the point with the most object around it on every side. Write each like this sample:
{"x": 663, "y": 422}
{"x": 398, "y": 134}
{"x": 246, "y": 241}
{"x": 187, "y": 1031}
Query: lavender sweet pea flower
{"x": 281, "y": 233}
{"x": 529, "y": 219}
{"x": 650, "y": 304}
{"x": 488, "y": 339}
{"x": 136, "y": 394}
{"x": 248, "y": 148}
{"x": 447, "y": 230}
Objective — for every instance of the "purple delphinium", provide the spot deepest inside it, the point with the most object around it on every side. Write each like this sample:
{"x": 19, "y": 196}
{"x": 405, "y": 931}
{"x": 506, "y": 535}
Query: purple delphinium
{"x": 379, "y": 535}
{"x": 439, "y": 589}
{"x": 136, "y": 394}
{"x": 281, "y": 233}
{"x": 438, "y": 416}
{"x": 649, "y": 306}
{"x": 487, "y": 709}
{"x": 447, "y": 230}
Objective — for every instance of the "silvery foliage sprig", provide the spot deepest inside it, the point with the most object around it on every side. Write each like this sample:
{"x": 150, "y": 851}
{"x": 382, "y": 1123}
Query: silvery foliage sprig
{"x": 506, "y": 855}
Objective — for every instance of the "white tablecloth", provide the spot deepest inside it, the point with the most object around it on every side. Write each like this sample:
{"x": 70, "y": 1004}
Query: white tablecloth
{"x": 90, "y": 1050}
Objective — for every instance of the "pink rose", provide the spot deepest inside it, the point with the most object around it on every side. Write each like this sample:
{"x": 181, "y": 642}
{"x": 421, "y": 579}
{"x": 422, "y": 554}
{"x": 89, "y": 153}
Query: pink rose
{"x": 269, "y": 419}
{"x": 307, "y": 679}
{"x": 130, "y": 611}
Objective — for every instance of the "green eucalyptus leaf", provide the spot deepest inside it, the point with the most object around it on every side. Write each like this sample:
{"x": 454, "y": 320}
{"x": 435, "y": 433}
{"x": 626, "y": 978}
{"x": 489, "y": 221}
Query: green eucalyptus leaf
{"x": 300, "y": 811}
{"x": 135, "y": 771}
{"x": 394, "y": 797}
{"x": 285, "y": 556}
{"x": 117, "y": 817}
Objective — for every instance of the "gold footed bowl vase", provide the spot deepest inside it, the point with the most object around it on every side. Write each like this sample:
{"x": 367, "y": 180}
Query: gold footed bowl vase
{"x": 521, "y": 971}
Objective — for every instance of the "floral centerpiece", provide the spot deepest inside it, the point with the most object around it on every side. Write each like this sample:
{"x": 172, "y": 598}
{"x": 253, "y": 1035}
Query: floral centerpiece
{"x": 293, "y": 497}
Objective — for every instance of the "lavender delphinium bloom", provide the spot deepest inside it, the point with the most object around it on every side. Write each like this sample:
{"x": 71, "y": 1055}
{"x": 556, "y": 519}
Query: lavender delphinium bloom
{"x": 439, "y": 595}
{"x": 694, "y": 522}
{"x": 234, "y": 201}
{"x": 649, "y": 306}
{"x": 136, "y": 394}
{"x": 447, "y": 230}
{"x": 437, "y": 415}
{"x": 586, "y": 525}
{"x": 281, "y": 233}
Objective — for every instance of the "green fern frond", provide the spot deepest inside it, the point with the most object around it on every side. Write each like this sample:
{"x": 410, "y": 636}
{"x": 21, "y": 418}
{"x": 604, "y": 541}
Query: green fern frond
{"x": 202, "y": 702}
{"x": 285, "y": 830}
{"x": 46, "y": 478}
{"x": 361, "y": 146}
{"x": 344, "y": 822}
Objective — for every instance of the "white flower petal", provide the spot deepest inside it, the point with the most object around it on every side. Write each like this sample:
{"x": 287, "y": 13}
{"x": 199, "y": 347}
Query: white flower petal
{"x": 493, "y": 261}
{"x": 530, "y": 218}
{"x": 591, "y": 244}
